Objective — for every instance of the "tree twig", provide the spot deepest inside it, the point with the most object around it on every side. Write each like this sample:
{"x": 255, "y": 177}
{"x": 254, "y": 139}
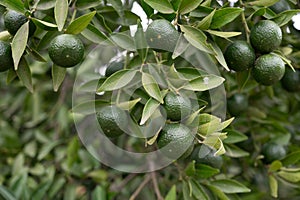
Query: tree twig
{"x": 140, "y": 188}
{"x": 128, "y": 178}
{"x": 156, "y": 188}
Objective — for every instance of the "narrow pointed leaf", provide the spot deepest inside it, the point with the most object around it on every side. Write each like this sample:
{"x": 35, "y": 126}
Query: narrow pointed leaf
{"x": 224, "y": 16}
{"x": 204, "y": 83}
{"x": 171, "y": 194}
{"x": 7, "y": 195}
{"x": 187, "y": 6}
{"x": 16, "y": 5}
{"x": 163, "y": 6}
{"x": 230, "y": 186}
{"x": 219, "y": 56}
{"x": 128, "y": 105}
{"x": 79, "y": 24}
{"x": 263, "y": 2}
{"x": 61, "y": 13}
{"x": 223, "y": 34}
{"x": 124, "y": 41}
{"x": 206, "y": 21}
{"x": 283, "y": 18}
{"x": 58, "y": 76}
{"x": 273, "y": 186}
{"x": 117, "y": 80}
{"x": 44, "y": 25}
{"x": 149, "y": 109}
{"x": 24, "y": 75}
{"x": 151, "y": 87}
{"x": 19, "y": 43}
{"x": 93, "y": 34}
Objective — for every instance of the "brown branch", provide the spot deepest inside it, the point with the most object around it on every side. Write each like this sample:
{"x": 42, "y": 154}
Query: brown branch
{"x": 140, "y": 188}
{"x": 156, "y": 188}
{"x": 116, "y": 188}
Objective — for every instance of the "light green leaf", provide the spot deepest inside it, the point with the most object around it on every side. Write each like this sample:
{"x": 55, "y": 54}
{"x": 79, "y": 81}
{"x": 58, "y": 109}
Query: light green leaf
{"x": 58, "y": 76}
{"x": 56, "y": 186}
{"x": 235, "y": 152}
{"x": 198, "y": 191}
{"x": 234, "y": 136}
{"x": 80, "y": 23}
{"x": 190, "y": 170}
{"x": 219, "y": 56}
{"x": 223, "y": 34}
{"x": 226, "y": 123}
{"x": 117, "y": 80}
{"x": 206, "y": 21}
{"x": 47, "y": 148}
{"x": 19, "y": 43}
{"x": 140, "y": 42}
{"x": 154, "y": 138}
{"x": 124, "y": 41}
{"x": 16, "y": 5}
{"x": 291, "y": 158}
{"x": 187, "y": 6}
{"x": 93, "y": 34}
{"x": 193, "y": 116}
{"x": 205, "y": 171}
{"x": 128, "y": 105}
{"x": 61, "y": 12}
{"x": 163, "y": 6}
{"x": 181, "y": 45}
{"x": 98, "y": 193}
{"x": 5, "y": 36}
{"x": 275, "y": 166}
{"x": 283, "y": 18}
{"x": 72, "y": 151}
{"x": 266, "y": 3}
{"x": 24, "y": 74}
{"x": 230, "y": 186}
{"x": 39, "y": 193}
{"x": 44, "y": 25}
{"x": 5, "y": 194}
{"x": 204, "y": 83}
{"x": 219, "y": 193}
{"x": 149, "y": 109}
{"x": 196, "y": 38}
{"x": 30, "y": 149}
{"x": 273, "y": 186}
{"x": 293, "y": 177}
{"x": 151, "y": 87}
{"x": 224, "y": 16}
{"x": 171, "y": 194}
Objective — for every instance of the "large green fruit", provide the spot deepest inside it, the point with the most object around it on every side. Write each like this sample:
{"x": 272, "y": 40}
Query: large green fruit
{"x": 273, "y": 151}
{"x": 291, "y": 80}
{"x": 6, "y": 61}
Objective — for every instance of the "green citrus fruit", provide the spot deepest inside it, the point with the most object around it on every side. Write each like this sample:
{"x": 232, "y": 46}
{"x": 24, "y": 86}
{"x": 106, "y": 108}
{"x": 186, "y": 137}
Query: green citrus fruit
{"x": 112, "y": 120}
{"x": 291, "y": 80}
{"x": 113, "y": 67}
{"x": 161, "y": 35}
{"x": 177, "y": 106}
{"x": 268, "y": 69}
{"x": 237, "y": 104}
{"x": 265, "y": 36}
{"x": 273, "y": 151}
{"x": 206, "y": 155}
{"x": 66, "y": 50}
{"x": 280, "y": 6}
{"x": 14, "y": 20}
{"x": 239, "y": 56}
{"x": 175, "y": 140}
{"x": 6, "y": 61}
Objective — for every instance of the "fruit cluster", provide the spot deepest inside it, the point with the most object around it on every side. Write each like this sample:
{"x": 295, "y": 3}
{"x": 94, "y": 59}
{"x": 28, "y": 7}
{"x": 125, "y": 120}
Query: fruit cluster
{"x": 65, "y": 50}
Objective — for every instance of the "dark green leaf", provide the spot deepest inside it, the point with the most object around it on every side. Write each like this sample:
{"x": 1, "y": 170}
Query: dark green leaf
{"x": 140, "y": 42}
{"x": 225, "y": 16}
{"x": 291, "y": 158}
{"x": 171, "y": 194}
{"x": 47, "y": 148}
{"x": 117, "y": 5}
{"x": 230, "y": 186}
{"x": 198, "y": 191}
{"x": 44, "y": 25}
{"x": 187, "y": 6}
{"x": 284, "y": 17}
{"x": 35, "y": 54}
{"x": 24, "y": 74}
{"x": 163, "y": 6}
{"x": 205, "y": 171}
{"x": 11, "y": 75}
{"x": 16, "y": 5}
{"x": 127, "y": 18}
{"x": 99, "y": 193}
{"x": 4, "y": 193}
{"x": 19, "y": 43}
{"x": 80, "y": 23}
{"x": 72, "y": 151}
{"x": 190, "y": 170}
{"x": 86, "y": 4}
{"x": 234, "y": 151}
{"x": 41, "y": 191}
{"x": 93, "y": 34}
{"x": 117, "y": 80}
{"x": 219, "y": 193}
{"x": 234, "y": 136}
{"x": 61, "y": 13}
{"x": 58, "y": 76}
{"x": 88, "y": 107}
{"x": 206, "y": 21}
{"x": 57, "y": 185}
{"x": 148, "y": 110}
{"x": 124, "y": 41}
{"x": 151, "y": 87}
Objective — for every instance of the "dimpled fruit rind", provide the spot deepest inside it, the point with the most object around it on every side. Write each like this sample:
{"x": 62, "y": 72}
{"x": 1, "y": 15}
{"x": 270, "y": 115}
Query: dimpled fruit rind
{"x": 6, "y": 61}
{"x": 177, "y": 106}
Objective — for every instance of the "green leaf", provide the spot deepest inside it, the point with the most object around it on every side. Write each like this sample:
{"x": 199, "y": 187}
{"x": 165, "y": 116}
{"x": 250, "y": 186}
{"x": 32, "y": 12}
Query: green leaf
{"x": 163, "y": 6}
{"x": 61, "y": 13}
{"x": 273, "y": 186}
{"x": 57, "y": 185}
{"x": 204, "y": 83}
{"x": 265, "y": 3}
{"x": 45, "y": 150}
{"x": 58, "y": 76}
{"x": 140, "y": 42}
{"x": 206, "y": 21}
{"x": 117, "y": 80}
{"x": 5, "y": 194}
{"x": 151, "y": 87}
{"x": 19, "y": 43}
{"x": 86, "y": 4}
{"x": 187, "y": 6}
{"x": 224, "y": 16}
{"x": 293, "y": 177}
{"x": 98, "y": 193}
{"x": 223, "y": 34}
{"x": 44, "y": 25}
{"x": 275, "y": 166}
{"x": 35, "y": 54}
{"x": 234, "y": 151}
{"x": 31, "y": 149}
{"x": 230, "y": 186}
{"x": 39, "y": 193}
{"x": 219, "y": 193}
{"x": 98, "y": 175}
{"x": 16, "y": 5}
{"x": 171, "y": 194}
{"x": 149, "y": 109}
{"x": 193, "y": 116}
{"x": 72, "y": 151}
{"x": 198, "y": 191}
{"x": 187, "y": 192}
{"x": 128, "y": 105}
{"x": 124, "y": 41}
{"x": 283, "y": 18}
{"x": 93, "y": 34}
{"x": 196, "y": 38}
{"x": 24, "y": 74}
{"x": 117, "y": 5}
{"x": 11, "y": 75}
{"x": 291, "y": 158}
{"x": 181, "y": 45}
{"x": 190, "y": 170}
{"x": 205, "y": 171}
{"x": 80, "y": 23}
{"x": 219, "y": 56}
{"x": 70, "y": 192}
{"x": 234, "y": 136}
{"x": 89, "y": 107}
